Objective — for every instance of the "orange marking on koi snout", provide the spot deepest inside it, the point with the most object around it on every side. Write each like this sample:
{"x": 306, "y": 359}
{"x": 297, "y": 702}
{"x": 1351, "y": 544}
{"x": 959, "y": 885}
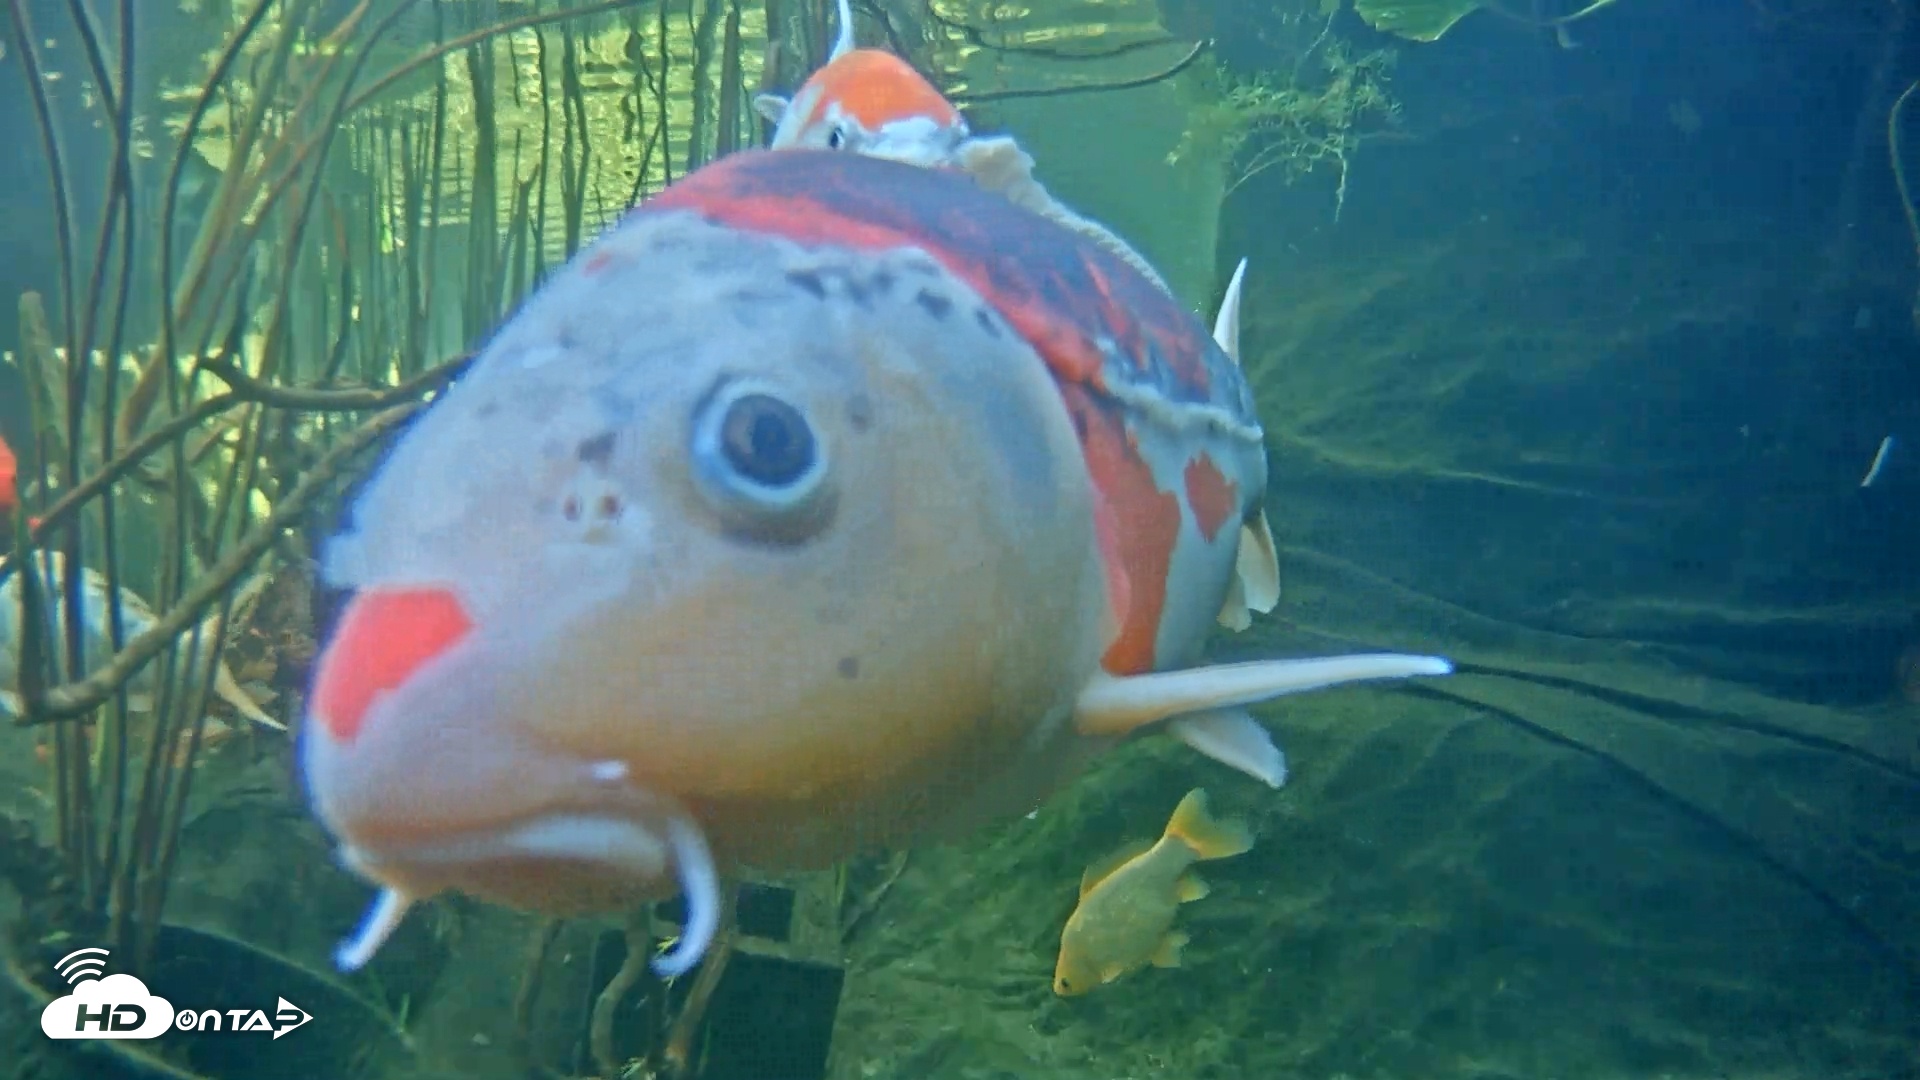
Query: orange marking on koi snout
{"x": 384, "y": 638}
{"x": 875, "y": 87}
{"x": 1210, "y": 494}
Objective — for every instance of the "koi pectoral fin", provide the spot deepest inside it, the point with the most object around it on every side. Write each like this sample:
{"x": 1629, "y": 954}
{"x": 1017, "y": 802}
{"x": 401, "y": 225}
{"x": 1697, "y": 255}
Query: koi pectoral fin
{"x": 1117, "y": 705}
{"x": 771, "y": 107}
{"x": 1190, "y": 887}
{"x": 242, "y": 702}
{"x": 1255, "y": 585}
{"x": 997, "y": 164}
{"x": 1167, "y": 955}
{"x": 1234, "y": 739}
{"x": 1258, "y": 565}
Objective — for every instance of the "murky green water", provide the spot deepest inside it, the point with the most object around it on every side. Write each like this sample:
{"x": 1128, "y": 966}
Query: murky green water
{"x": 1583, "y": 342}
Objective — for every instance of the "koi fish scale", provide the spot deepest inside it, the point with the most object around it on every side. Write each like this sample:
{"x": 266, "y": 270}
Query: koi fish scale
{"x": 1154, "y": 398}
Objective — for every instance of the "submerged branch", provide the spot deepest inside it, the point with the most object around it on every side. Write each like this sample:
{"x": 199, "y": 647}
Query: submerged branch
{"x": 1179, "y": 66}
{"x": 314, "y": 399}
{"x": 246, "y": 390}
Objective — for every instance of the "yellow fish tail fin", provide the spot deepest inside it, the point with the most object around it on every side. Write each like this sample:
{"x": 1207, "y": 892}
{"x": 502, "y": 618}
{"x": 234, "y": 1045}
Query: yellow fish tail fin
{"x": 1209, "y": 839}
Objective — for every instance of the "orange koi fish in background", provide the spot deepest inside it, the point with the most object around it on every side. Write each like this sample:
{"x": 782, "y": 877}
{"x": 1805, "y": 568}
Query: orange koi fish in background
{"x": 824, "y": 503}
{"x": 869, "y": 101}
{"x": 9, "y": 480}
{"x": 137, "y": 617}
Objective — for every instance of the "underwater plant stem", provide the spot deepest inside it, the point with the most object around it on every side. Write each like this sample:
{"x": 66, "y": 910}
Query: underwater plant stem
{"x": 70, "y": 754}
{"x": 485, "y": 33}
{"x": 239, "y": 226}
{"x": 532, "y": 976}
{"x": 27, "y": 42}
{"x": 249, "y": 388}
{"x": 122, "y": 196}
{"x": 423, "y": 259}
{"x": 639, "y": 941}
{"x": 679, "y": 1060}
{"x": 1899, "y": 168}
{"x": 245, "y": 390}
{"x": 231, "y": 228}
{"x": 148, "y": 385}
{"x": 1179, "y": 66}
{"x": 483, "y": 299}
{"x": 176, "y": 778}
{"x": 665, "y": 65}
{"x": 543, "y": 167}
{"x": 81, "y": 696}
{"x": 705, "y": 111}
{"x": 772, "y": 64}
{"x": 321, "y": 139}
{"x": 727, "y": 139}
{"x": 575, "y": 166}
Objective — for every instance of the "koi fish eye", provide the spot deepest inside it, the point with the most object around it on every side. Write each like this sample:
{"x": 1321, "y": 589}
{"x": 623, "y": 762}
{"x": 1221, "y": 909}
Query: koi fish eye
{"x": 836, "y": 137}
{"x": 766, "y": 440}
{"x": 760, "y": 460}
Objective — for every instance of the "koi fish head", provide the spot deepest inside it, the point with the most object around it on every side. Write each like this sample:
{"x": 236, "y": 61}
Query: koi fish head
{"x": 727, "y": 551}
{"x": 870, "y": 102}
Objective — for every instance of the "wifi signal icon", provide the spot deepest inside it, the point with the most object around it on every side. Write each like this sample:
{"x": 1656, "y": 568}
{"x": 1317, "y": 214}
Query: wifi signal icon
{"x": 82, "y": 964}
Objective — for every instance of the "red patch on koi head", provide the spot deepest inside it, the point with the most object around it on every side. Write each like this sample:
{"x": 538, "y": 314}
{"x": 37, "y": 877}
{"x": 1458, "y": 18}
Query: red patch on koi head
{"x": 1210, "y": 494}
{"x": 876, "y": 88}
{"x": 384, "y": 637}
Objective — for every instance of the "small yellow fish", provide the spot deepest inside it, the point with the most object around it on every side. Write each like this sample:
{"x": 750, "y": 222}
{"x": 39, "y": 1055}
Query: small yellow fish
{"x": 1124, "y": 920}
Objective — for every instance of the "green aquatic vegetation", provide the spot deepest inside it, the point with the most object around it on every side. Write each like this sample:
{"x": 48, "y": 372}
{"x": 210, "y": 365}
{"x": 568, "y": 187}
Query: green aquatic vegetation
{"x": 1292, "y": 122}
{"x": 314, "y": 208}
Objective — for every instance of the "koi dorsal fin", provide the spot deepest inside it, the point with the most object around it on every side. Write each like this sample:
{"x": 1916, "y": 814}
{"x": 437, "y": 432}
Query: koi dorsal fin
{"x": 1104, "y": 868}
{"x": 1256, "y": 585}
{"x": 843, "y": 44}
{"x": 1226, "y": 325}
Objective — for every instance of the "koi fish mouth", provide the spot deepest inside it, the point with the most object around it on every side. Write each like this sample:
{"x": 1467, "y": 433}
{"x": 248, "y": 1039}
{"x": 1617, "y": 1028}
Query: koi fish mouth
{"x": 551, "y": 849}
{"x": 430, "y": 782}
